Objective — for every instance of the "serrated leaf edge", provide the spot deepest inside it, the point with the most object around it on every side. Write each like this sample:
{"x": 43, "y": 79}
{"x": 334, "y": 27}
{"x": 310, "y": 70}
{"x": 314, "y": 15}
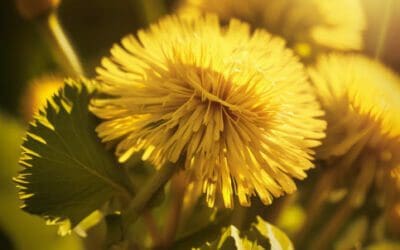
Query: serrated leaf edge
{"x": 64, "y": 224}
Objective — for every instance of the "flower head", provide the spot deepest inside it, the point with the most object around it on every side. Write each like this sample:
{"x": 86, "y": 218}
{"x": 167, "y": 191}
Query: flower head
{"x": 361, "y": 99}
{"x": 236, "y": 106}
{"x": 307, "y": 25}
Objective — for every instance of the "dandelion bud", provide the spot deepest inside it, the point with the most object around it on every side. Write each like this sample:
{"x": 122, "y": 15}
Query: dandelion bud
{"x": 36, "y": 94}
{"x": 31, "y": 9}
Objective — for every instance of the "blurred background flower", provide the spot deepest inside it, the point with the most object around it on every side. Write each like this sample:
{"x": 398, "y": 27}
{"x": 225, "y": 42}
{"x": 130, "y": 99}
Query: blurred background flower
{"x": 309, "y": 27}
{"x": 361, "y": 99}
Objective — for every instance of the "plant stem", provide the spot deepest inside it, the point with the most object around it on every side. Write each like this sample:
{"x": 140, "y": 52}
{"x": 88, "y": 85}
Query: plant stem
{"x": 178, "y": 185}
{"x": 321, "y": 190}
{"x": 146, "y": 193}
{"x": 355, "y": 200}
{"x": 325, "y": 185}
{"x": 152, "y": 227}
{"x": 62, "y": 48}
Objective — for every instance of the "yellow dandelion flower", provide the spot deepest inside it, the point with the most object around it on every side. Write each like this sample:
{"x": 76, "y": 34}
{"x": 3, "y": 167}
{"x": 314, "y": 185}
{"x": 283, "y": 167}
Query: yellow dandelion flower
{"x": 37, "y": 93}
{"x": 236, "y": 106}
{"x": 361, "y": 99}
{"x": 307, "y": 25}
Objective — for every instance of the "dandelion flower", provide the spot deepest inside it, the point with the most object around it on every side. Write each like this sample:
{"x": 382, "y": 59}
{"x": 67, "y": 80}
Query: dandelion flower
{"x": 234, "y": 107}
{"x": 308, "y": 25}
{"x": 361, "y": 99}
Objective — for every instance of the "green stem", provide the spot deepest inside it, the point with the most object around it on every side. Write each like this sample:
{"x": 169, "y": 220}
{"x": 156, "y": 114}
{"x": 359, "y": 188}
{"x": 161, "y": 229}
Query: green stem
{"x": 61, "y": 45}
{"x": 325, "y": 184}
{"x": 354, "y": 201}
{"x": 315, "y": 204}
{"x": 152, "y": 228}
{"x": 178, "y": 188}
{"x": 146, "y": 193}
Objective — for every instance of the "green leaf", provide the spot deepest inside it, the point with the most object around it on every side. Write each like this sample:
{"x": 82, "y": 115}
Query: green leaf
{"x": 262, "y": 235}
{"x": 23, "y": 229}
{"x": 277, "y": 239}
{"x": 67, "y": 172}
{"x": 230, "y": 239}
